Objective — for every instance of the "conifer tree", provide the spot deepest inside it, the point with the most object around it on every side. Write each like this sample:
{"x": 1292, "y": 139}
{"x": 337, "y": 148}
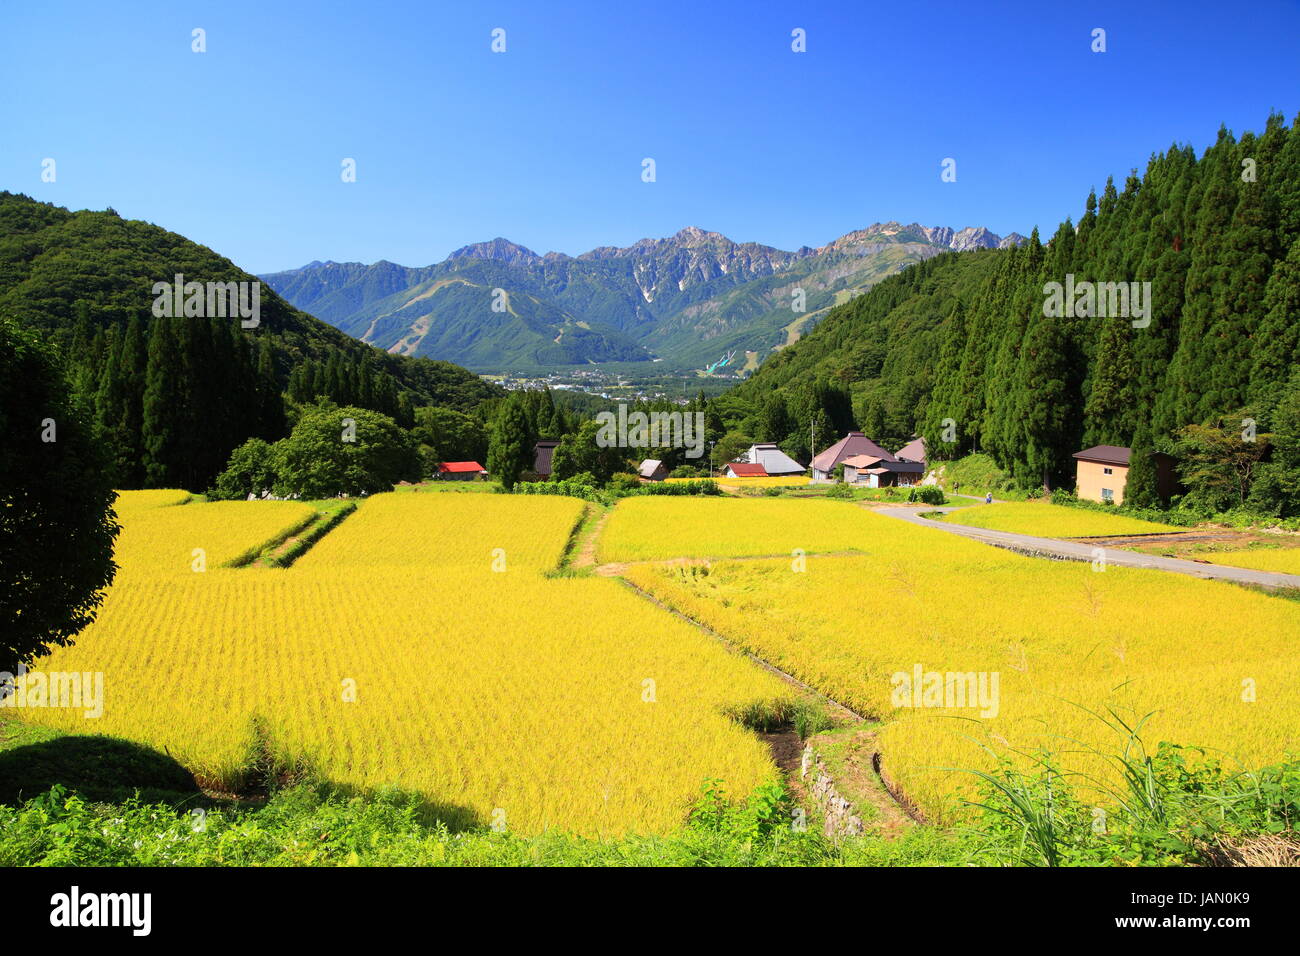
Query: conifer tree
{"x": 164, "y": 413}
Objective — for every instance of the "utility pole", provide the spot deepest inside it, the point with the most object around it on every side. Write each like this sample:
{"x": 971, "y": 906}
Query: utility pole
{"x": 813, "y": 420}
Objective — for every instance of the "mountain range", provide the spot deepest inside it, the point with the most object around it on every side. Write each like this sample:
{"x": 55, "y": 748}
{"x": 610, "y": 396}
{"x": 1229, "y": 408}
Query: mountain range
{"x": 684, "y": 301}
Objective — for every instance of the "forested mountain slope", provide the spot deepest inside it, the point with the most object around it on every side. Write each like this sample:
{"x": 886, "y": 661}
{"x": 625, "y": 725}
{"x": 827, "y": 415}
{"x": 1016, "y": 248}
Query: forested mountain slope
{"x": 964, "y": 339}
{"x": 191, "y": 387}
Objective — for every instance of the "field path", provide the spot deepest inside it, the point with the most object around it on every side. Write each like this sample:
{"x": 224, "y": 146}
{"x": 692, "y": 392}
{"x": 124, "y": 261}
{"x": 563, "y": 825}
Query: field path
{"x": 1062, "y": 549}
{"x": 585, "y": 554}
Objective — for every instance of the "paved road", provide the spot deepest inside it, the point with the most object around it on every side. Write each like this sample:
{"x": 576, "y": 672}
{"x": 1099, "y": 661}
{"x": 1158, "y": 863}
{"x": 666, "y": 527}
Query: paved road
{"x": 1075, "y": 551}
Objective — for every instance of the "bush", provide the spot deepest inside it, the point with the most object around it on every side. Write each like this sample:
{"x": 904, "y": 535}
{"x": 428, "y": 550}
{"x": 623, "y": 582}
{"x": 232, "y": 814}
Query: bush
{"x": 623, "y": 481}
{"x": 688, "y": 471}
{"x": 706, "y": 486}
{"x": 579, "y": 486}
{"x": 839, "y": 490}
{"x": 928, "y": 494}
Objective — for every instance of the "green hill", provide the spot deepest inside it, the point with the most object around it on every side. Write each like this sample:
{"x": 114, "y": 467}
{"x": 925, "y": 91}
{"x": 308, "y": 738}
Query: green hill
{"x": 87, "y": 278}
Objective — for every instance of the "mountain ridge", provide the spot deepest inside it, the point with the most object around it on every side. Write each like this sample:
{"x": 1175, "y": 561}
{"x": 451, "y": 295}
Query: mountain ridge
{"x": 678, "y": 298}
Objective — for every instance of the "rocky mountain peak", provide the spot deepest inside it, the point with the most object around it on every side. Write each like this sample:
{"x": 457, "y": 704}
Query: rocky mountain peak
{"x": 501, "y": 250}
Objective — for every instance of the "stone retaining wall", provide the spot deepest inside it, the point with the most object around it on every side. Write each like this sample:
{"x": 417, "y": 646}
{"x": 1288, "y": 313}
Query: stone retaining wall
{"x": 838, "y": 812}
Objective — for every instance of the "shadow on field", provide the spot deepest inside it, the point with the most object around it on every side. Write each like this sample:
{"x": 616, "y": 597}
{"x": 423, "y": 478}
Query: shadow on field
{"x": 110, "y": 770}
{"x": 102, "y": 769}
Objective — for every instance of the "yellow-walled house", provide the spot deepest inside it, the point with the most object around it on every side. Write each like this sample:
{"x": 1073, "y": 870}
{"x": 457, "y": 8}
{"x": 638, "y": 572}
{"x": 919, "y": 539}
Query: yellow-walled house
{"x": 1101, "y": 472}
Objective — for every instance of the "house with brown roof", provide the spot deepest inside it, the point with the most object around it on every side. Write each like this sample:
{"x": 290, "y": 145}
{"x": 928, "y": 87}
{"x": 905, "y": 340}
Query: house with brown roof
{"x": 543, "y": 452}
{"x": 652, "y": 470}
{"x": 1101, "y": 472}
{"x": 913, "y": 451}
{"x": 877, "y": 473}
{"x": 744, "y": 469}
{"x": 854, "y": 443}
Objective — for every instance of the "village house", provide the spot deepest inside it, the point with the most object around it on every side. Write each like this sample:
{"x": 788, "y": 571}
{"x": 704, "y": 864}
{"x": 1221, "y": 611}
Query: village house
{"x": 543, "y": 452}
{"x": 877, "y": 473}
{"x": 775, "y": 462}
{"x": 461, "y": 471}
{"x": 912, "y": 451}
{"x": 1101, "y": 472}
{"x": 852, "y": 444}
{"x": 652, "y": 470}
{"x": 743, "y": 469}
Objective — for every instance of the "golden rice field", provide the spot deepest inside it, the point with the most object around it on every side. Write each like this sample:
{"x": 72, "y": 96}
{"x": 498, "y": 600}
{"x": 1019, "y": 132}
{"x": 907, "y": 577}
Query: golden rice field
{"x": 653, "y": 528}
{"x": 162, "y": 539}
{"x": 405, "y": 530}
{"x": 500, "y": 697}
{"x": 1052, "y": 521}
{"x": 131, "y": 503}
{"x": 1285, "y": 560}
{"x": 1060, "y": 635}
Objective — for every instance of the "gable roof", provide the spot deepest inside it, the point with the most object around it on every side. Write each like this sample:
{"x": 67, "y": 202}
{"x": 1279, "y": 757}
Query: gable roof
{"x": 744, "y": 469}
{"x": 913, "y": 450}
{"x": 460, "y": 467}
{"x": 854, "y": 443}
{"x": 879, "y": 466}
{"x": 543, "y": 452}
{"x": 649, "y": 467}
{"x": 1105, "y": 454}
{"x": 774, "y": 460}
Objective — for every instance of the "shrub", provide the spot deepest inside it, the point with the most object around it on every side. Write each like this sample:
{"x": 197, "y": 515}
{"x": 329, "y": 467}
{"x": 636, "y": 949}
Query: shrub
{"x": 706, "y": 486}
{"x": 928, "y": 494}
{"x": 623, "y": 481}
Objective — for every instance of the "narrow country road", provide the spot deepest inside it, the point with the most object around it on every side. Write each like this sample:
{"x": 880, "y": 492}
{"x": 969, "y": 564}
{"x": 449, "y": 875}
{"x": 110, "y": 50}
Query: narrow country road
{"x": 1074, "y": 551}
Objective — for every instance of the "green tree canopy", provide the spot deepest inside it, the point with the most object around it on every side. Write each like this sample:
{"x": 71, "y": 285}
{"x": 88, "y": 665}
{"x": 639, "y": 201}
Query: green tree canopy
{"x": 343, "y": 451}
{"x": 57, "y": 526}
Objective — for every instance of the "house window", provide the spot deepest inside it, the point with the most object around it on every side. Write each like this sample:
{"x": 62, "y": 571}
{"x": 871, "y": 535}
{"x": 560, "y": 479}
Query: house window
{"x": 1107, "y": 494}
{"x": 1107, "y": 471}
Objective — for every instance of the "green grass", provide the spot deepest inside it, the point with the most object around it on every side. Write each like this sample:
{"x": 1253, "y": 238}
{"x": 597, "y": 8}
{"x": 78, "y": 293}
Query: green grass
{"x": 327, "y": 517}
{"x": 307, "y": 826}
{"x": 450, "y": 487}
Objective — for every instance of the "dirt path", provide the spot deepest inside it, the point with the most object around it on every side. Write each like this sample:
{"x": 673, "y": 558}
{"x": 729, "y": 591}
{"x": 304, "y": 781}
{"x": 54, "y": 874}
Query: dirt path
{"x": 585, "y": 554}
{"x": 1085, "y": 550}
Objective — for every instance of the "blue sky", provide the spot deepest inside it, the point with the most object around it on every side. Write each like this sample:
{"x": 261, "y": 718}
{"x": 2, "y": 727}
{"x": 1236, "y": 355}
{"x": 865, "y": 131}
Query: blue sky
{"x": 241, "y": 147}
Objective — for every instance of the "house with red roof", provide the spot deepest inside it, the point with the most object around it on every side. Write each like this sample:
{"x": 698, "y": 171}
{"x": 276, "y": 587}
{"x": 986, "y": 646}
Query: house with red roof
{"x": 461, "y": 471}
{"x": 744, "y": 469}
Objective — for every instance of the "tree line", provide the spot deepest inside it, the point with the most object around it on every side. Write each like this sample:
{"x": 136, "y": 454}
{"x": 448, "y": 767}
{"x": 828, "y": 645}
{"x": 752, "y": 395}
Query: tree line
{"x": 971, "y": 351}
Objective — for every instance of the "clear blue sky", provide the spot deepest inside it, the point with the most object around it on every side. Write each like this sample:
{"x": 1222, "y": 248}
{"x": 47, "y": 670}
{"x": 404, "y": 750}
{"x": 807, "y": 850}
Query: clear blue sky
{"x": 240, "y": 147}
